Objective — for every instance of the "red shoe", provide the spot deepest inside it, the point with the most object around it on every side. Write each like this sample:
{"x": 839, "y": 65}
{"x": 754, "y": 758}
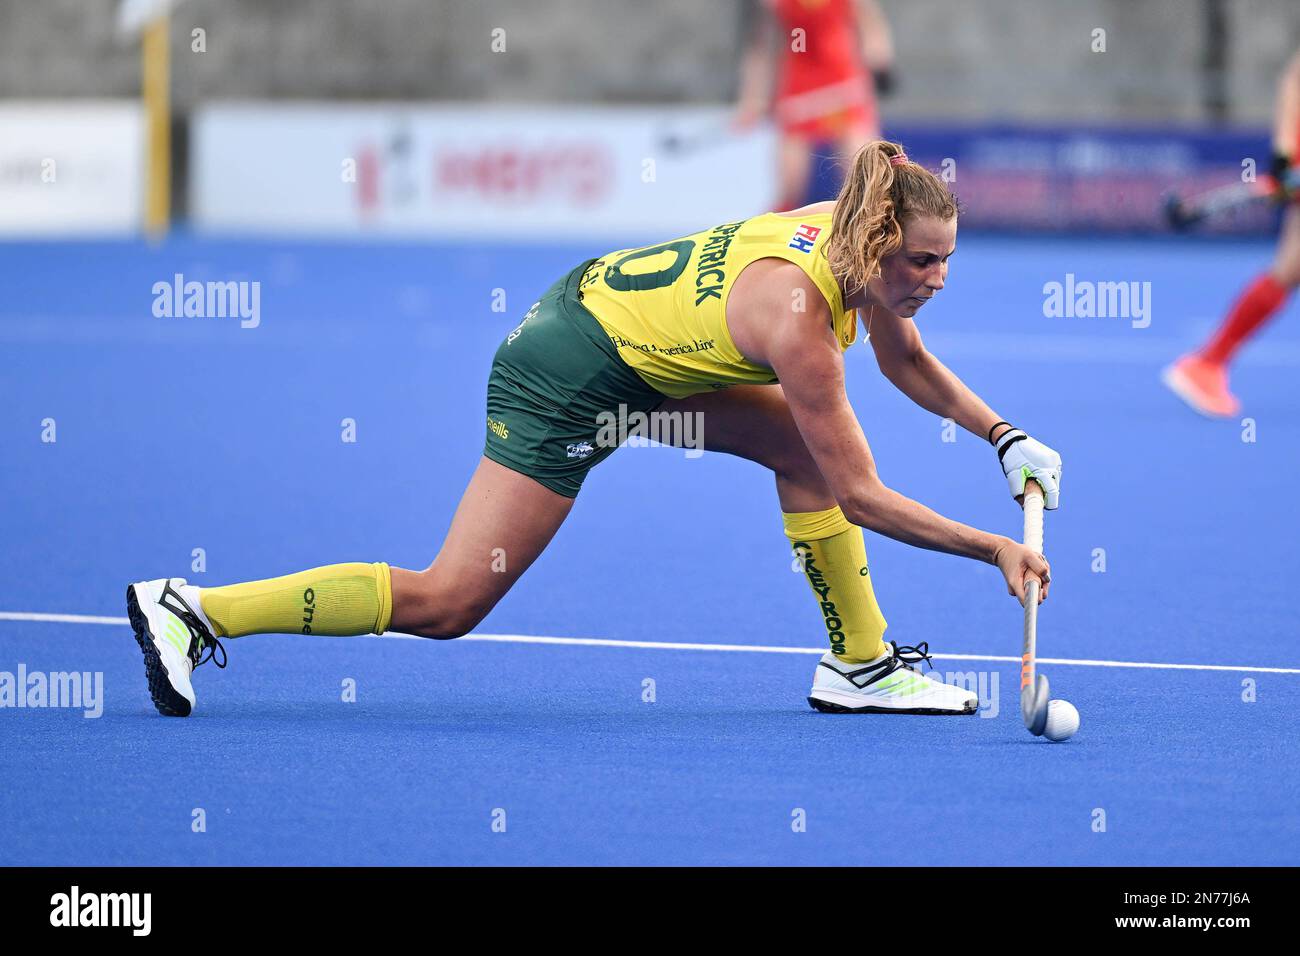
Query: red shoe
{"x": 1202, "y": 385}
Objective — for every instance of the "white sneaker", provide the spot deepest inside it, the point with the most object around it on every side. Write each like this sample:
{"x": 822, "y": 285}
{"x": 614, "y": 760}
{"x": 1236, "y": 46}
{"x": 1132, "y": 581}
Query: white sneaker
{"x": 172, "y": 634}
{"x": 887, "y": 685}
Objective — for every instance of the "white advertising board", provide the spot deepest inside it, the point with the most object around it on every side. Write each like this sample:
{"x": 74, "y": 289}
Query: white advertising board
{"x": 70, "y": 167}
{"x": 468, "y": 170}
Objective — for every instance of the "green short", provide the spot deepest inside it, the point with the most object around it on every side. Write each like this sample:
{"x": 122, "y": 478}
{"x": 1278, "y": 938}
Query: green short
{"x": 557, "y": 383}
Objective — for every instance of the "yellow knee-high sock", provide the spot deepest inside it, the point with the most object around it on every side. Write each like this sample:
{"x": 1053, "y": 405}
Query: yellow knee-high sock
{"x": 338, "y": 599}
{"x": 834, "y": 560}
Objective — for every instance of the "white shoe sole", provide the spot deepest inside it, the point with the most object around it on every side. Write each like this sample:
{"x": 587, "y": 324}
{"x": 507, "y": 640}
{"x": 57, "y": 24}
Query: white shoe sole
{"x": 834, "y": 702}
{"x": 169, "y": 701}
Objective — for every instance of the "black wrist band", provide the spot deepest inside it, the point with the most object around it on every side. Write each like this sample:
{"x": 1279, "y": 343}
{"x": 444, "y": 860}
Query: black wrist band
{"x": 1007, "y": 439}
{"x": 994, "y": 428}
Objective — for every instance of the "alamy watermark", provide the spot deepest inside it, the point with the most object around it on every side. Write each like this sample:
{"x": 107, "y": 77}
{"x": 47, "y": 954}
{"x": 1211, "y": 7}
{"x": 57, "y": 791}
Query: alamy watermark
{"x": 128, "y": 910}
{"x": 983, "y": 684}
{"x": 82, "y": 690}
{"x": 1084, "y": 299}
{"x": 208, "y": 300}
{"x": 641, "y": 429}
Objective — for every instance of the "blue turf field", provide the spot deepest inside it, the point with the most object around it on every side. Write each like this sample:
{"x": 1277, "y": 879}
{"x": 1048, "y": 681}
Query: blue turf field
{"x": 176, "y": 434}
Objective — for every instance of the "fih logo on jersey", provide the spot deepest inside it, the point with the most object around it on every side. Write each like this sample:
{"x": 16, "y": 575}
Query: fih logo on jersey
{"x": 804, "y": 237}
{"x": 579, "y": 449}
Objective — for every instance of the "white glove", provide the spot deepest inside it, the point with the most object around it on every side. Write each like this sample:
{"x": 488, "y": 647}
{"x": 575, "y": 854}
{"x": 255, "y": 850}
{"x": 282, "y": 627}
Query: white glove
{"x": 1023, "y": 458}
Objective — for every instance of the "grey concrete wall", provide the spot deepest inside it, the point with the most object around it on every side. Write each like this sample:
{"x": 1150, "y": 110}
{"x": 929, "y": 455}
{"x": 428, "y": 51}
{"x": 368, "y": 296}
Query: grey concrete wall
{"x": 966, "y": 59}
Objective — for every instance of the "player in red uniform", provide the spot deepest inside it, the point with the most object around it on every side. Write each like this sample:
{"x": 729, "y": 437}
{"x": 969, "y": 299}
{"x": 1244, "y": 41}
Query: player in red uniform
{"x": 833, "y": 54}
{"x": 1200, "y": 378}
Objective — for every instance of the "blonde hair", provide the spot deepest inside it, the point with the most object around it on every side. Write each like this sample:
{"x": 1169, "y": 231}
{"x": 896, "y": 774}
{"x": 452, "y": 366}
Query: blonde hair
{"x": 883, "y": 187}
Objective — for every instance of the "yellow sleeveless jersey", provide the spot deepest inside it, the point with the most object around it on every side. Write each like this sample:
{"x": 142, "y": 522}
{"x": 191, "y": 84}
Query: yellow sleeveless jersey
{"x": 664, "y": 307}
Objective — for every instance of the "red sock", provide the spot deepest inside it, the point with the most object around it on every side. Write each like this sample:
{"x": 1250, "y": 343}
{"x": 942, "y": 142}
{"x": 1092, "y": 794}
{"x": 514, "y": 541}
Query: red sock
{"x": 1252, "y": 309}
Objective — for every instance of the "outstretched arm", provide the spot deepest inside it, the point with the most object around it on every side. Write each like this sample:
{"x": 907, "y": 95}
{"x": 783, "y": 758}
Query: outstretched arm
{"x": 800, "y": 346}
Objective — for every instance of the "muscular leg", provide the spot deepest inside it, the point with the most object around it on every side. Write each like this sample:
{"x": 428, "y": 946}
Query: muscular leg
{"x": 504, "y": 521}
{"x": 754, "y": 422}
{"x": 1200, "y": 378}
{"x": 1262, "y": 298}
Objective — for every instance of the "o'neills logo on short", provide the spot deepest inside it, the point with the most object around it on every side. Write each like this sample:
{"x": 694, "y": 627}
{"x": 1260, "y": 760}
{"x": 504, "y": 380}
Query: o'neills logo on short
{"x": 75, "y": 908}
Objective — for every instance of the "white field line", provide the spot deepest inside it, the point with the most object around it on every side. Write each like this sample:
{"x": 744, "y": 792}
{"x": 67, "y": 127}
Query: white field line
{"x": 684, "y": 646}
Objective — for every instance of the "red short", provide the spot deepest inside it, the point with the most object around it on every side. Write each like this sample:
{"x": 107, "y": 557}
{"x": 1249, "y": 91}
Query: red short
{"x": 825, "y": 90}
{"x": 829, "y": 111}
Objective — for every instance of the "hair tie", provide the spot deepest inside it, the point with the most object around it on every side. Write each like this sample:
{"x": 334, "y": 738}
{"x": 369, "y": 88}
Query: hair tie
{"x": 899, "y": 160}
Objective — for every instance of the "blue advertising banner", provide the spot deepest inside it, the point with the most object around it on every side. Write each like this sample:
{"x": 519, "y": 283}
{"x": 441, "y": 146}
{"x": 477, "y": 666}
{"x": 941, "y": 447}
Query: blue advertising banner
{"x": 1072, "y": 179}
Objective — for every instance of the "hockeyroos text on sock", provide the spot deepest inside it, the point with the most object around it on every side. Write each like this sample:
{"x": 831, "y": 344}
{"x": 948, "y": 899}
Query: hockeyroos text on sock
{"x": 208, "y": 300}
{"x": 1084, "y": 299}
{"x": 80, "y": 690}
{"x": 74, "y": 908}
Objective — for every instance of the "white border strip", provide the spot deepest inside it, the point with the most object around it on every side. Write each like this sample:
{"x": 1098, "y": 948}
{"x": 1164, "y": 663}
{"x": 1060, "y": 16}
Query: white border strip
{"x": 682, "y": 646}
